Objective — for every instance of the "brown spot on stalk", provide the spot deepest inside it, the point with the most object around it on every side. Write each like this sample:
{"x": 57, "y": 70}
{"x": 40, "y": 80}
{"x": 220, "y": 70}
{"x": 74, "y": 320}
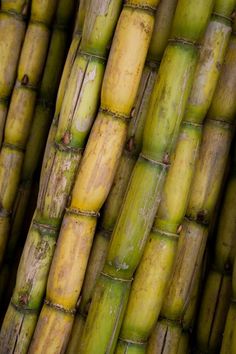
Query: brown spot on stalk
{"x": 23, "y": 299}
{"x": 166, "y": 159}
{"x": 25, "y": 80}
{"x": 66, "y": 138}
{"x": 202, "y": 216}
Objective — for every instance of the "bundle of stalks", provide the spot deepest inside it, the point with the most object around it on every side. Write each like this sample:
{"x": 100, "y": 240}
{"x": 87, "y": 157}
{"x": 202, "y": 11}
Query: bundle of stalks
{"x": 21, "y": 108}
{"x": 42, "y": 119}
{"x": 205, "y": 190}
{"x": 111, "y": 208}
{"x": 67, "y": 137}
{"x": 166, "y": 110}
{"x": 95, "y": 174}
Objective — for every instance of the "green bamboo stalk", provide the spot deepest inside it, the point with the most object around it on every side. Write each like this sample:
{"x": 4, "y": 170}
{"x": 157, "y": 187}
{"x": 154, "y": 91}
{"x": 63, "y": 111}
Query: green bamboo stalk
{"x": 217, "y": 290}
{"x": 112, "y": 206}
{"x": 21, "y": 109}
{"x": 61, "y": 161}
{"x": 96, "y": 172}
{"x": 42, "y": 118}
{"x": 13, "y": 15}
{"x": 152, "y": 276}
{"x": 211, "y": 163}
{"x": 166, "y": 111}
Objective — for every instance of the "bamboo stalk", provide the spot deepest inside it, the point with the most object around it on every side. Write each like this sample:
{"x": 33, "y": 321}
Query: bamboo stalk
{"x": 217, "y": 290}
{"x": 42, "y": 118}
{"x": 152, "y": 275}
{"x": 96, "y": 172}
{"x": 166, "y": 110}
{"x": 60, "y": 164}
{"x": 217, "y": 135}
{"x": 112, "y": 206}
{"x": 21, "y": 109}
{"x": 13, "y": 15}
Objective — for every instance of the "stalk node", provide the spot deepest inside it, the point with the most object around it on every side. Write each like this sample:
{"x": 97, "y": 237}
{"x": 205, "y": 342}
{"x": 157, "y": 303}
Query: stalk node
{"x": 59, "y": 307}
{"x": 23, "y": 308}
{"x": 88, "y": 213}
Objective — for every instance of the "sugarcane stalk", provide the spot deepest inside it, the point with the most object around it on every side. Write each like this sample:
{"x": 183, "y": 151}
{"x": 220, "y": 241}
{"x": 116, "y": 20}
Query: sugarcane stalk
{"x": 217, "y": 290}
{"x": 21, "y": 109}
{"x": 61, "y": 161}
{"x": 42, "y": 118}
{"x": 103, "y": 150}
{"x": 13, "y": 15}
{"x": 211, "y": 163}
{"x": 8, "y": 272}
{"x": 143, "y": 194}
{"x": 152, "y": 276}
{"x": 170, "y": 336}
{"x": 112, "y": 206}
{"x": 229, "y": 342}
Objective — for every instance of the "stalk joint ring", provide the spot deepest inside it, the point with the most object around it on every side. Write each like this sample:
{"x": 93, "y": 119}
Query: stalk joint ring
{"x": 116, "y": 115}
{"x": 135, "y": 342}
{"x": 14, "y": 14}
{"x": 23, "y": 308}
{"x": 154, "y": 162}
{"x": 149, "y": 8}
{"x": 59, "y": 307}
{"x": 166, "y": 234}
{"x": 116, "y": 278}
{"x": 92, "y": 56}
{"x": 67, "y": 148}
{"x": 13, "y": 147}
{"x": 227, "y": 18}
{"x": 45, "y": 228}
{"x": 88, "y": 213}
{"x": 182, "y": 41}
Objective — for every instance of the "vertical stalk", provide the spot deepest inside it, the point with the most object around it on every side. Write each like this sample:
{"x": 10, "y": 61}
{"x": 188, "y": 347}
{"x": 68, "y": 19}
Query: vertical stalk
{"x": 152, "y": 275}
{"x": 217, "y": 290}
{"x": 207, "y": 182}
{"x": 166, "y": 110}
{"x": 112, "y": 206}
{"x": 96, "y": 173}
{"x": 21, "y": 109}
{"x": 42, "y": 118}
{"x": 62, "y": 156}
{"x": 13, "y": 16}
